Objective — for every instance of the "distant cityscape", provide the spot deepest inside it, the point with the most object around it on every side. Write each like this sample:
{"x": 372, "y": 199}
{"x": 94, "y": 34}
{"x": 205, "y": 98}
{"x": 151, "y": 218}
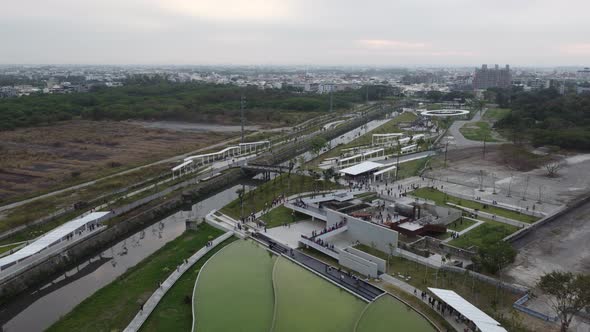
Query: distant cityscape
{"x": 16, "y": 81}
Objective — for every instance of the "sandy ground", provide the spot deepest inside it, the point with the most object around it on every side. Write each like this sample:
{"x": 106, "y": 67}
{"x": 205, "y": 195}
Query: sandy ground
{"x": 193, "y": 127}
{"x": 560, "y": 245}
{"x": 465, "y": 166}
{"x": 33, "y": 159}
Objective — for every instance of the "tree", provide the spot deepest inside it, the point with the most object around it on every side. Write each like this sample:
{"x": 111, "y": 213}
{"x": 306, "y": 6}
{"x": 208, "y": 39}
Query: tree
{"x": 494, "y": 257}
{"x": 241, "y": 192}
{"x": 553, "y": 167}
{"x": 317, "y": 144}
{"x": 569, "y": 294}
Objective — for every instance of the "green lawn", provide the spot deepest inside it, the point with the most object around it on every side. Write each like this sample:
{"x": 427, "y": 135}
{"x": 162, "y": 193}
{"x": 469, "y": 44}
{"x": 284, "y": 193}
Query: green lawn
{"x": 281, "y": 215}
{"x": 411, "y": 168}
{"x": 441, "y": 198}
{"x": 112, "y": 307}
{"x": 496, "y": 114}
{"x": 461, "y": 224}
{"x": 235, "y": 290}
{"x": 387, "y": 312}
{"x": 306, "y": 302}
{"x": 8, "y": 247}
{"x": 174, "y": 312}
{"x": 478, "y": 131}
{"x": 255, "y": 200}
{"x": 490, "y": 232}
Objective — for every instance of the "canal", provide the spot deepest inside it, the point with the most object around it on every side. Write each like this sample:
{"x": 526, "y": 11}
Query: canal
{"x": 37, "y": 309}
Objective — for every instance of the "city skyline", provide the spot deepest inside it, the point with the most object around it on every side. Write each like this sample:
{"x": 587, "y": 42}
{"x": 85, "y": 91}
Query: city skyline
{"x": 266, "y": 32}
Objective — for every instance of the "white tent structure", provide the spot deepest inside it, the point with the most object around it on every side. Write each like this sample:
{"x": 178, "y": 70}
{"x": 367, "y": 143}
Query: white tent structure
{"x": 51, "y": 238}
{"x": 361, "y": 168}
{"x": 484, "y": 322}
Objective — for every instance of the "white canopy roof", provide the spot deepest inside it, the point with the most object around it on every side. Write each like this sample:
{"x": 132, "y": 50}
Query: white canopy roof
{"x": 361, "y": 168}
{"x": 484, "y": 322}
{"x": 51, "y": 237}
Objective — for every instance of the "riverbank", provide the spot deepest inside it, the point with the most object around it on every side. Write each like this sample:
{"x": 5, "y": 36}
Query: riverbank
{"x": 115, "y": 305}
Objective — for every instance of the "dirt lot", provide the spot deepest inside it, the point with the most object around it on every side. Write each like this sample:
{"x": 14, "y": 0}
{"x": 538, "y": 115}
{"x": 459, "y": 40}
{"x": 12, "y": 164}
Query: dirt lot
{"x": 43, "y": 158}
{"x": 560, "y": 245}
{"x": 464, "y": 166}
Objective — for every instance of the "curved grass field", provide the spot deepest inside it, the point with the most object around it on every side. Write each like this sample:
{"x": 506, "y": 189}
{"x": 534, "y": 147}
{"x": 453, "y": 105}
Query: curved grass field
{"x": 245, "y": 288}
{"x": 306, "y": 302}
{"x": 388, "y": 314}
{"x": 234, "y": 291}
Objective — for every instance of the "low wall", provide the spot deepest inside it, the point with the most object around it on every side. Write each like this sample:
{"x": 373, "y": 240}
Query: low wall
{"x": 432, "y": 244}
{"x": 516, "y": 289}
{"x": 358, "y": 264}
{"x": 367, "y": 233}
{"x": 523, "y": 232}
{"x": 381, "y": 263}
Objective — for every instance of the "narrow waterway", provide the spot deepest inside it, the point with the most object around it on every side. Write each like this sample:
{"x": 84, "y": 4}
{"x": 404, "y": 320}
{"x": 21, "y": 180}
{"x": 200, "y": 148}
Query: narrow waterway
{"x": 37, "y": 309}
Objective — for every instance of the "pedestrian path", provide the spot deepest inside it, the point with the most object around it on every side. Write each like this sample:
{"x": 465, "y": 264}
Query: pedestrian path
{"x": 153, "y": 301}
{"x": 477, "y": 224}
{"x": 492, "y": 216}
{"x": 402, "y": 285}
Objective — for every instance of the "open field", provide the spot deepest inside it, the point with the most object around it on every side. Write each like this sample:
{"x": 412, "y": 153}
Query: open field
{"x": 559, "y": 245}
{"x": 316, "y": 305}
{"x": 478, "y": 131}
{"x": 514, "y": 172}
{"x": 281, "y": 215}
{"x": 495, "y": 114}
{"x": 383, "y": 315}
{"x": 36, "y": 160}
{"x": 487, "y": 233}
{"x": 114, "y": 306}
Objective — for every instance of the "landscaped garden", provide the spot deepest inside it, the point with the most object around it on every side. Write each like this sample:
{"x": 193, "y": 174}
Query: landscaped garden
{"x": 262, "y": 196}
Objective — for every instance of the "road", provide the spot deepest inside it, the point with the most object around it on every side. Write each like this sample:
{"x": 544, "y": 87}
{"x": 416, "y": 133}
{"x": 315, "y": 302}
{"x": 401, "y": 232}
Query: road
{"x": 459, "y": 140}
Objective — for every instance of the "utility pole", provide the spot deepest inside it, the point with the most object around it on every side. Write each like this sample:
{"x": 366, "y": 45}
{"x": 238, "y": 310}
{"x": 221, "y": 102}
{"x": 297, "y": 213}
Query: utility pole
{"x": 331, "y": 100}
{"x": 510, "y": 187}
{"x": 484, "y": 146}
{"x": 242, "y": 106}
{"x": 446, "y": 150}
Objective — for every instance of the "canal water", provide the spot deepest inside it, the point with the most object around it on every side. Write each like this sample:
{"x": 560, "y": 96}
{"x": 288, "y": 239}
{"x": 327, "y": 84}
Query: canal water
{"x": 36, "y": 310}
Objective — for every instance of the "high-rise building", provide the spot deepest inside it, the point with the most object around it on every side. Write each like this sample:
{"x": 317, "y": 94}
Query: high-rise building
{"x": 485, "y": 77}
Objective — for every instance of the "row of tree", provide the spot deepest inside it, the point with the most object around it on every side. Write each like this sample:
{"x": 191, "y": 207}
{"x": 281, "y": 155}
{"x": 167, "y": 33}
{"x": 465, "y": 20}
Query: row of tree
{"x": 157, "y": 99}
{"x": 547, "y": 118}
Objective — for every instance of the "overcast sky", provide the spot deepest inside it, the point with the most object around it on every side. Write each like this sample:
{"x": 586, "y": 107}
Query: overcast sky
{"x": 277, "y": 32}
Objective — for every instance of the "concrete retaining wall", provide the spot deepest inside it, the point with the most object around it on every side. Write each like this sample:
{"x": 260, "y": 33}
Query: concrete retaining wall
{"x": 381, "y": 263}
{"x": 523, "y": 232}
{"x": 358, "y": 264}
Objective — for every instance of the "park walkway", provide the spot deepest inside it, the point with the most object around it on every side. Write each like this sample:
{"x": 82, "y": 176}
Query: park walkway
{"x": 477, "y": 224}
{"x": 155, "y": 298}
{"x": 405, "y": 287}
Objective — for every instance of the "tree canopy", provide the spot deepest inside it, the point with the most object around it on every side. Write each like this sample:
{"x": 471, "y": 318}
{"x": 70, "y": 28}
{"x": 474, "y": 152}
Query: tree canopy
{"x": 549, "y": 118}
{"x": 158, "y": 99}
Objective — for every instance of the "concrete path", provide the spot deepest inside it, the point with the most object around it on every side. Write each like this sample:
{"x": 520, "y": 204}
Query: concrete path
{"x": 153, "y": 301}
{"x": 386, "y": 278}
{"x": 494, "y": 217}
{"x": 477, "y": 224}
{"x": 460, "y": 140}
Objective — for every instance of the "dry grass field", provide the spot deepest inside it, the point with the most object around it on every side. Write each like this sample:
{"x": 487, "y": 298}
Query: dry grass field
{"x": 40, "y": 159}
